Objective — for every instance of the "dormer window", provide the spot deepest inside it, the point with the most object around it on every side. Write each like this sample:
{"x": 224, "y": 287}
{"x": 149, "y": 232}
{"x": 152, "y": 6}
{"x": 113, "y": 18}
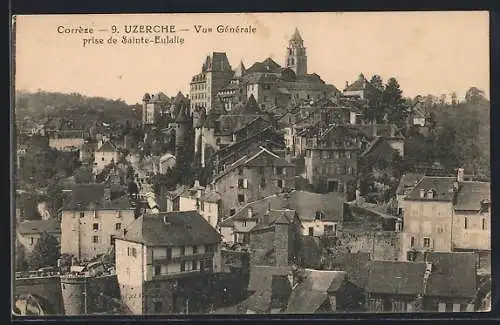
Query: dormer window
{"x": 318, "y": 216}
{"x": 485, "y": 206}
{"x": 430, "y": 194}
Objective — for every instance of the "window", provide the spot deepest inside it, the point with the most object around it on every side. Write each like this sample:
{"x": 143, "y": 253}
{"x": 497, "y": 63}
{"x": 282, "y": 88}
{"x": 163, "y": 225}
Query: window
{"x": 442, "y": 307}
{"x": 483, "y": 224}
{"x": 261, "y": 170}
{"x": 240, "y": 183}
{"x": 157, "y": 270}
{"x": 412, "y": 242}
{"x": 183, "y": 266}
{"x": 232, "y": 212}
{"x": 118, "y": 226}
{"x": 240, "y": 171}
{"x": 279, "y": 170}
{"x": 241, "y": 198}
{"x": 465, "y": 223}
{"x": 311, "y": 231}
{"x": 427, "y": 242}
{"x": 95, "y": 239}
{"x": 32, "y": 241}
{"x": 157, "y": 306}
{"x": 456, "y": 308}
{"x": 348, "y": 154}
{"x": 195, "y": 250}
{"x": 82, "y": 214}
{"x": 195, "y": 266}
{"x": 102, "y": 158}
{"x": 280, "y": 183}
{"x": 263, "y": 182}
{"x": 328, "y": 229}
{"x": 183, "y": 251}
{"x": 169, "y": 253}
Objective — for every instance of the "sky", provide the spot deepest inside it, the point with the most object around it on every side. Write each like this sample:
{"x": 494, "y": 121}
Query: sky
{"x": 427, "y": 52}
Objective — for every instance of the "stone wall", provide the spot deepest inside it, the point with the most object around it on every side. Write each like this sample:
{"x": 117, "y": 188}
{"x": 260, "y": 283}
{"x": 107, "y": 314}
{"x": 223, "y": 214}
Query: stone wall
{"x": 382, "y": 245}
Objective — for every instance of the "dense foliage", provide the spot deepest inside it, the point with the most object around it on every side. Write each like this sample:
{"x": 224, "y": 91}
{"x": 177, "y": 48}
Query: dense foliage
{"x": 45, "y": 253}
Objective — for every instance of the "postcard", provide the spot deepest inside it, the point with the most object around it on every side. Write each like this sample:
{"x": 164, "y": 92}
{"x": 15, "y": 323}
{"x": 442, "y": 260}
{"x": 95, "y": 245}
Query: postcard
{"x": 251, "y": 163}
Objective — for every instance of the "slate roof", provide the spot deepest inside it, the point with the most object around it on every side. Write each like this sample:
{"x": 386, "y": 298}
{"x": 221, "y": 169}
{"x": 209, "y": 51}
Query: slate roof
{"x": 408, "y": 182}
{"x": 382, "y": 130}
{"x": 379, "y": 148}
{"x": 91, "y": 197}
{"x": 296, "y": 35}
{"x": 313, "y": 291}
{"x": 452, "y": 275}
{"x": 107, "y": 147}
{"x": 251, "y": 156}
{"x": 471, "y": 194}
{"x": 273, "y": 291}
{"x": 38, "y": 226}
{"x": 275, "y": 217}
{"x": 183, "y": 228}
{"x": 268, "y": 65}
{"x": 249, "y": 108}
{"x": 443, "y": 187}
{"x": 394, "y": 277}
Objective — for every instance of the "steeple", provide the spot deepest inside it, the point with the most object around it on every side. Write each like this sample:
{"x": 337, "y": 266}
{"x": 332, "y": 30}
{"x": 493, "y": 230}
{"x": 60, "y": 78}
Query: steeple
{"x": 296, "y": 35}
{"x": 296, "y": 58}
{"x": 240, "y": 70}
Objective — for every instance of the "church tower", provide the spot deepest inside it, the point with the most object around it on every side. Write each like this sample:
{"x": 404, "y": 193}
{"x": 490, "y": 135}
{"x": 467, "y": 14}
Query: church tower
{"x": 296, "y": 58}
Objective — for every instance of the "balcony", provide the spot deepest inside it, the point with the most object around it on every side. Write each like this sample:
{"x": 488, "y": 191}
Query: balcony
{"x": 183, "y": 258}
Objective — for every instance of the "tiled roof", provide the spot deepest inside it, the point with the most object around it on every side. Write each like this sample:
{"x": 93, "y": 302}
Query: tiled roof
{"x": 471, "y": 194}
{"x": 313, "y": 291}
{"x": 38, "y": 226}
{"x": 379, "y": 148}
{"x": 443, "y": 188}
{"x": 391, "y": 277}
{"x": 233, "y": 122}
{"x": 408, "y": 181}
{"x": 182, "y": 228}
{"x": 452, "y": 275}
{"x": 249, "y": 108}
{"x": 91, "y": 197}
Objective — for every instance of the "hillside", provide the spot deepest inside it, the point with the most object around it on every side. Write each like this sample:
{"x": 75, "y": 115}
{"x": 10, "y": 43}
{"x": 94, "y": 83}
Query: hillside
{"x": 74, "y": 110}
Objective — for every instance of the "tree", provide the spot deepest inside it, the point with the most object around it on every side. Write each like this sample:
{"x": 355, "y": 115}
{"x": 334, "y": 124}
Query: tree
{"x": 474, "y": 96}
{"x": 393, "y": 103}
{"x": 20, "y": 254}
{"x": 374, "y": 111}
{"x": 45, "y": 253}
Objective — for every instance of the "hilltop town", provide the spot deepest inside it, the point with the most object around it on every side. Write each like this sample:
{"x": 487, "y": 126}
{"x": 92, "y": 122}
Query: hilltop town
{"x": 265, "y": 190}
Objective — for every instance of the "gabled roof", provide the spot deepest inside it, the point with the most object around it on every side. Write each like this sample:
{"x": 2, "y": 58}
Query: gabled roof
{"x": 452, "y": 275}
{"x": 107, "y": 147}
{"x": 268, "y": 65}
{"x": 471, "y": 194}
{"x": 250, "y": 157}
{"x": 183, "y": 228}
{"x": 394, "y": 277}
{"x": 408, "y": 182}
{"x": 275, "y": 217}
{"x": 379, "y": 148}
{"x": 38, "y": 226}
{"x": 443, "y": 188}
{"x": 314, "y": 289}
{"x": 91, "y": 197}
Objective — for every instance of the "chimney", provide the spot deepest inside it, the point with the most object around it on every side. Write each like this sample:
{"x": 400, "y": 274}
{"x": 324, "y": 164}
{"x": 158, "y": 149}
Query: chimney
{"x": 422, "y": 193}
{"x": 347, "y": 84}
{"x": 460, "y": 175}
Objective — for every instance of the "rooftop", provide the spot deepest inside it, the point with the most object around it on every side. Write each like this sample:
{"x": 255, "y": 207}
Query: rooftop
{"x": 471, "y": 194}
{"x": 92, "y": 197}
{"x": 392, "y": 277}
{"x": 38, "y": 226}
{"x": 441, "y": 187}
{"x": 180, "y": 228}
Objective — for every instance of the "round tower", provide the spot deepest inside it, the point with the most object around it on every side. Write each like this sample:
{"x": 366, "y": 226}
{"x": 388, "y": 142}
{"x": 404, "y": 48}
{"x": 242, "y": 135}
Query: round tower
{"x": 74, "y": 292}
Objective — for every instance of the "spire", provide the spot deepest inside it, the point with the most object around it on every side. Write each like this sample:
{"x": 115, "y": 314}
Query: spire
{"x": 296, "y": 35}
{"x": 240, "y": 70}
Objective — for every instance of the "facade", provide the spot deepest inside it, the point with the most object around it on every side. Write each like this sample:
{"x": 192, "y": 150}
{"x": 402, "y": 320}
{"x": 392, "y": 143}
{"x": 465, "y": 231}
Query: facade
{"x": 29, "y": 231}
{"x": 90, "y": 219}
{"x": 105, "y": 154}
{"x": 164, "y": 259}
{"x": 67, "y": 140}
{"x": 203, "y": 200}
{"x": 331, "y": 160}
{"x": 358, "y": 88}
{"x": 275, "y": 240}
{"x": 254, "y": 176}
{"x": 215, "y": 74}
{"x": 154, "y": 107}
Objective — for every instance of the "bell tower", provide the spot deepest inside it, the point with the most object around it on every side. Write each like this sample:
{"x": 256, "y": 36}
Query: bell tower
{"x": 296, "y": 58}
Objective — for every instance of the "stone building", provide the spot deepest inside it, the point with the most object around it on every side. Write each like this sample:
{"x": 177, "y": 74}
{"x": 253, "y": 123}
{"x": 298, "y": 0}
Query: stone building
{"x": 165, "y": 263}
{"x": 92, "y": 215}
{"x": 154, "y": 107}
{"x": 256, "y": 175}
{"x": 215, "y": 74}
